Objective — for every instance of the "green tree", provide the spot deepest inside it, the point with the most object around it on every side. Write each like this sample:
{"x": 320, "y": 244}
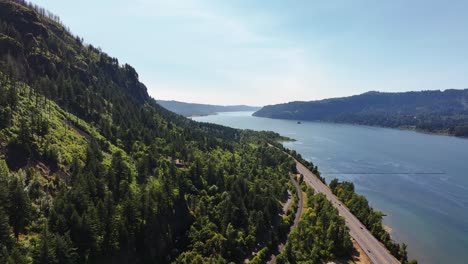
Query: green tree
{"x": 4, "y": 228}
{"x": 17, "y": 256}
{"x": 12, "y": 96}
{"x": 403, "y": 254}
{"x": 18, "y": 206}
{"x": 64, "y": 250}
{"x": 44, "y": 252}
{"x": 4, "y": 177}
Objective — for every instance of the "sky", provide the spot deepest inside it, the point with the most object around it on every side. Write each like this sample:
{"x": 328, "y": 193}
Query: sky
{"x": 268, "y": 52}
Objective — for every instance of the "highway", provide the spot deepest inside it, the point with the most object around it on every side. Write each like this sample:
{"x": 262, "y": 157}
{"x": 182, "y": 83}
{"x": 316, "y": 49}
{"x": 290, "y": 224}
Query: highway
{"x": 372, "y": 247}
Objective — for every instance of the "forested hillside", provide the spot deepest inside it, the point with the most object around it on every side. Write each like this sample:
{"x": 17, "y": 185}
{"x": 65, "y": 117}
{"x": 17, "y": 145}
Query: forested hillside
{"x": 93, "y": 170}
{"x": 191, "y": 109}
{"x": 432, "y": 111}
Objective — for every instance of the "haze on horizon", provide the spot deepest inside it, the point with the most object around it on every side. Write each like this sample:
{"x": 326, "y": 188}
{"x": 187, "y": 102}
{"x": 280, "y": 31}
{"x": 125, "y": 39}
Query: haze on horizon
{"x": 266, "y": 52}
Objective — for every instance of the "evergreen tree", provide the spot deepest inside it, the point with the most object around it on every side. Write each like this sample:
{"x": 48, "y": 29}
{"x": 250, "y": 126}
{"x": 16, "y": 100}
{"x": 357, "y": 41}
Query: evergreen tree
{"x": 64, "y": 250}
{"x": 4, "y": 229}
{"x": 4, "y": 177}
{"x": 44, "y": 252}
{"x": 214, "y": 208}
{"x": 18, "y": 206}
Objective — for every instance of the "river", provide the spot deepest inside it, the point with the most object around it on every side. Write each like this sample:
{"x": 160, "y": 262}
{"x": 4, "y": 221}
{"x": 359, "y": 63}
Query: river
{"x": 420, "y": 181}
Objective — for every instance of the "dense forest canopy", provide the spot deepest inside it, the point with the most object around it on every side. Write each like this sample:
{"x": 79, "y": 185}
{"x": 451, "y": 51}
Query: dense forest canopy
{"x": 432, "y": 111}
{"x": 93, "y": 170}
{"x": 192, "y": 109}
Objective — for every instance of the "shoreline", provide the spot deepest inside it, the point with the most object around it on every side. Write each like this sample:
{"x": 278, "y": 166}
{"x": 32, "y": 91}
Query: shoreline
{"x": 402, "y": 128}
{"x": 387, "y": 229}
{"x": 319, "y": 151}
{"x": 376, "y": 251}
{"x": 200, "y": 115}
{"x": 212, "y": 114}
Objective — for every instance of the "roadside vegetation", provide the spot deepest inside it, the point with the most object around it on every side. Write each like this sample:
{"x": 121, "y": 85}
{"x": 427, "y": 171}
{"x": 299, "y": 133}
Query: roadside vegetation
{"x": 72, "y": 196}
{"x": 308, "y": 164}
{"x": 359, "y": 206}
{"x": 320, "y": 236}
{"x": 93, "y": 170}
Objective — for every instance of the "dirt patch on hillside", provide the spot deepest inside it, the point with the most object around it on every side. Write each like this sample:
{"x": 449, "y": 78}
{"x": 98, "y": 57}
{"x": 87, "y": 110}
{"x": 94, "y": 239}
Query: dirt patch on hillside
{"x": 359, "y": 256}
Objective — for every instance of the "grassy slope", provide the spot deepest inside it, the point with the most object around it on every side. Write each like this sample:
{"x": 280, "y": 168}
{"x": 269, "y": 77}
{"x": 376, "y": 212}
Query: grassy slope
{"x": 67, "y": 134}
{"x": 105, "y": 97}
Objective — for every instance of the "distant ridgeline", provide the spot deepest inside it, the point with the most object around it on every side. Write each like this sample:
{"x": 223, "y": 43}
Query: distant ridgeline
{"x": 432, "y": 111}
{"x": 191, "y": 109}
{"x": 93, "y": 170}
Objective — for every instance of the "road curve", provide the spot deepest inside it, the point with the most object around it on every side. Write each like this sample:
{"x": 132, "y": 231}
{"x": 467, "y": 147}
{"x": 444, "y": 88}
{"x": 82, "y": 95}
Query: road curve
{"x": 372, "y": 247}
{"x": 300, "y": 202}
{"x": 300, "y": 206}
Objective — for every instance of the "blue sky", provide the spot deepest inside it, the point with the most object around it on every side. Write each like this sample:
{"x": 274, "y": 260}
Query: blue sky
{"x": 265, "y": 52}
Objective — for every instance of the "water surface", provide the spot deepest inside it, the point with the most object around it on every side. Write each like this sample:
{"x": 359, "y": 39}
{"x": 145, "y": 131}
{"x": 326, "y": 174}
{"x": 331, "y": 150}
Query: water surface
{"x": 419, "y": 180}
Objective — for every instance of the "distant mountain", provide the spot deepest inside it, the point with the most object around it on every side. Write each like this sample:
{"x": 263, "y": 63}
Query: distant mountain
{"x": 191, "y": 109}
{"x": 93, "y": 170}
{"x": 431, "y": 111}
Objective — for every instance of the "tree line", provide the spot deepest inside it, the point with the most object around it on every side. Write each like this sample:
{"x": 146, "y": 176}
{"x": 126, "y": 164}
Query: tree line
{"x": 359, "y": 206}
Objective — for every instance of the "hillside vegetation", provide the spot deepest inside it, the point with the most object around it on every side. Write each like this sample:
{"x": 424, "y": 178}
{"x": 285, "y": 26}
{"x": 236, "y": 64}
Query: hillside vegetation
{"x": 432, "y": 111}
{"x": 93, "y": 170}
{"x": 191, "y": 109}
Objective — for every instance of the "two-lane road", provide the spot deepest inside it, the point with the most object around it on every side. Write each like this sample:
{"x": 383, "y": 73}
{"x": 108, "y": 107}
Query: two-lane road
{"x": 371, "y": 246}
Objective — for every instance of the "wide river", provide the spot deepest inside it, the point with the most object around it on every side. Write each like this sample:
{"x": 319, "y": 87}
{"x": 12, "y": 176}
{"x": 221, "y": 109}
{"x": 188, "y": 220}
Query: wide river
{"x": 419, "y": 181}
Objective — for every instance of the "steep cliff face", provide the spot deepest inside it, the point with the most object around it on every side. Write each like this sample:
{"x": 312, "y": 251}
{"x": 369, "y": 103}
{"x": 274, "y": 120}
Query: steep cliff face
{"x": 87, "y": 161}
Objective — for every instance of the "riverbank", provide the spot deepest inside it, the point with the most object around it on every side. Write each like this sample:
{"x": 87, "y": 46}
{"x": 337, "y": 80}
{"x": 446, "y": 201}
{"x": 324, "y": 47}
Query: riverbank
{"x": 444, "y": 132}
{"x": 200, "y": 115}
{"x": 426, "y": 212}
{"x": 376, "y": 251}
{"x": 387, "y": 229}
